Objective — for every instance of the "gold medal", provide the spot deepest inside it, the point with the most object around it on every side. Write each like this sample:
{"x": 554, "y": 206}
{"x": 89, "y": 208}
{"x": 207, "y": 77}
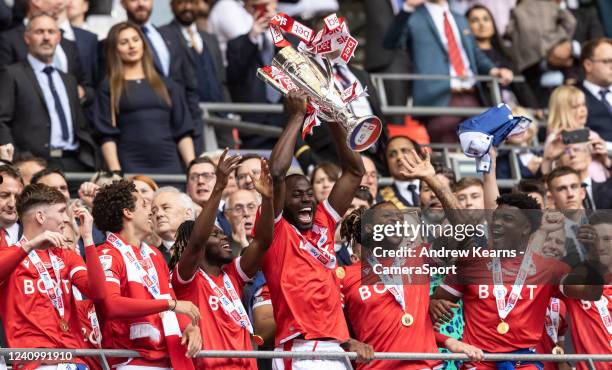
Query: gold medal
{"x": 407, "y": 319}
{"x": 258, "y": 340}
{"x": 503, "y": 328}
{"x": 558, "y": 350}
{"x": 340, "y": 273}
{"x": 64, "y": 325}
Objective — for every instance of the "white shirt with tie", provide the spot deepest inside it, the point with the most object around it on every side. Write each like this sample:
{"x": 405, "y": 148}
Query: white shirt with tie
{"x": 56, "y": 142}
{"x": 159, "y": 44}
{"x": 197, "y": 38}
{"x": 12, "y": 234}
{"x": 402, "y": 187}
{"x": 596, "y": 90}
{"x": 436, "y": 11}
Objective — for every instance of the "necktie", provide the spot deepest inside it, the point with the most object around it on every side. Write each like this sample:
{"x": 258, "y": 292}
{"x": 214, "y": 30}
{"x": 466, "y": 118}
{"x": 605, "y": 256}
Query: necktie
{"x": 58, "y": 105}
{"x": 415, "y": 196}
{"x": 267, "y": 53}
{"x": 197, "y": 47}
{"x": 587, "y": 203}
{"x": 454, "y": 53}
{"x": 3, "y": 242}
{"x": 156, "y": 60}
{"x": 603, "y": 93}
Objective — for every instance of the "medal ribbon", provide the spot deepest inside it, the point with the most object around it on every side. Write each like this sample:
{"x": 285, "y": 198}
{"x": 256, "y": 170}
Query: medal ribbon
{"x": 604, "y": 313}
{"x": 232, "y": 306}
{"x": 551, "y": 322}
{"x": 397, "y": 290}
{"x": 53, "y": 292}
{"x": 503, "y": 307}
{"x": 318, "y": 253}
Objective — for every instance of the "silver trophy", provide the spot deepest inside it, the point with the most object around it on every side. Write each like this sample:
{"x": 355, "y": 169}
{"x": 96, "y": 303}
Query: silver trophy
{"x": 293, "y": 70}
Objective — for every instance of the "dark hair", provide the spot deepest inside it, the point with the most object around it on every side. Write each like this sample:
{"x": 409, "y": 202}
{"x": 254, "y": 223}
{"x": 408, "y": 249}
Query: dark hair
{"x": 496, "y": 41}
{"x": 350, "y": 229}
{"x": 601, "y": 217}
{"x": 183, "y": 233}
{"x": 10, "y": 171}
{"x": 45, "y": 172}
{"x": 331, "y": 170}
{"x": 560, "y": 171}
{"x": 199, "y": 160}
{"x": 417, "y": 147}
{"x": 466, "y": 182}
{"x": 363, "y": 193}
{"x": 245, "y": 158}
{"x": 524, "y": 202}
{"x": 588, "y": 48}
{"x": 25, "y": 157}
{"x": 530, "y": 186}
{"x": 441, "y": 169}
{"x": 37, "y": 194}
{"x": 109, "y": 203}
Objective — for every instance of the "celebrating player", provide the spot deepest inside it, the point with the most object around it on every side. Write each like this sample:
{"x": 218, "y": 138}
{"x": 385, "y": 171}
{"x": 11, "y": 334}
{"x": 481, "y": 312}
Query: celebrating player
{"x": 208, "y": 276}
{"x": 591, "y": 322}
{"x": 507, "y": 316}
{"x": 37, "y": 275}
{"x": 299, "y": 266}
{"x": 139, "y": 310}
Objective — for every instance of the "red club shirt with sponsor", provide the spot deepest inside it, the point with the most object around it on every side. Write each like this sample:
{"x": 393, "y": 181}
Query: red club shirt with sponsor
{"x": 546, "y": 345}
{"x": 30, "y": 320}
{"x": 305, "y": 296}
{"x": 375, "y": 318}
{"x": 142, "y": 334}
{"x": 589, "y": 333}
{"x": 527, "y": 317}
{"x": 219, "y": 331}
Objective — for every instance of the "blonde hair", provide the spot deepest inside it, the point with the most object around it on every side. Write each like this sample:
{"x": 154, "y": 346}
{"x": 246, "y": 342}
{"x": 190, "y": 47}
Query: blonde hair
{"x": 559, "y": 108}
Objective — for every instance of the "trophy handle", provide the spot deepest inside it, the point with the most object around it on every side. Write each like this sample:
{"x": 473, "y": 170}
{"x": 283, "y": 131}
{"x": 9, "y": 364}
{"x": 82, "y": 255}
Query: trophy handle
{"x": 329, "y": 69}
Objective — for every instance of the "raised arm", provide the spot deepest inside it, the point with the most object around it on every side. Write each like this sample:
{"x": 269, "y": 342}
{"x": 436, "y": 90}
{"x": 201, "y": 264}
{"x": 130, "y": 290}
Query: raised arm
{"x": 491, "y": 191}
{"x": 352, "y": 172}
{"x": 193, "y": 253}
{"x": 253, "y": 256}
{"x": 282, "y": 153}
{"x": 415, "y": 167}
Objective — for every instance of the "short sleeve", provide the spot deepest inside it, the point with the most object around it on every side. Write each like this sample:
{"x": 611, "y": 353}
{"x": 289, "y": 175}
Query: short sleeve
{"x": 262, "y": 297}
{"x": 234, "y": 271}
{"x": 102, "y": 122}
{"x": 181, "y": 121}
{"x": 183, "y": 288}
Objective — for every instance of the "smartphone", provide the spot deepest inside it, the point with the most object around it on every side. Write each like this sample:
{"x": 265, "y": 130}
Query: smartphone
{"x": 575, "y": 136}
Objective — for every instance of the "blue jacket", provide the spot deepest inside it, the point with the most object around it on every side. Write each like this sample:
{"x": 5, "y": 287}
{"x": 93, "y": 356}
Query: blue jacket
{"x": 418, "y": 33}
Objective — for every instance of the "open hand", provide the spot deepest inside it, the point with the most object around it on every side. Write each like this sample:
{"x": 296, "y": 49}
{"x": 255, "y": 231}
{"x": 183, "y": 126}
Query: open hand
{"x": 192, "y": 337}
{"x": 225, "y": 167}
{"x": 263, "y": 182}
{"x": 413, "y": 167}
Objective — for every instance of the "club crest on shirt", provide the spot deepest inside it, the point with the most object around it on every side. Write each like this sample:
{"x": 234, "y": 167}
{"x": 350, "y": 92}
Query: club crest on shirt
{"x": 106, "y": 261}
{"x": 26, "y": 263}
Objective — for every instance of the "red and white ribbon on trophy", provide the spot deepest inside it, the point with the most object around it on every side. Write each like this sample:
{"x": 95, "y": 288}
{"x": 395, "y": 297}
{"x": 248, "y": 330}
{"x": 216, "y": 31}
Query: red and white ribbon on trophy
{"x": 334, "y": 37}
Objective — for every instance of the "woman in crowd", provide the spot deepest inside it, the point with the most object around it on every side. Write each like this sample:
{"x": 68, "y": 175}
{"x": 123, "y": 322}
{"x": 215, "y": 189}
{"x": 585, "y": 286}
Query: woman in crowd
{"x": 323, "y": 179}
{"x": 484, "y": 29}
{"x": 146, "y": 187}
{"x": 567, "y": 111}
{"x": 141, "y": 117}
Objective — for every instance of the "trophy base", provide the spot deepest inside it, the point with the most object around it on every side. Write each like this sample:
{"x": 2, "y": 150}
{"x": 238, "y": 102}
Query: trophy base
{"x": 364, "y": 133}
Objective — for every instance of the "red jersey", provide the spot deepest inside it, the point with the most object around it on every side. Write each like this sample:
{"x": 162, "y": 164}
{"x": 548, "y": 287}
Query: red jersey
{"x": 375, "y": 318}
{"x": 262, "y": 297}
{"x": 546, "y": 345}
{"x": 142, "y": 334}
{"x": 589, "y": 333}
{"x": 219, "y": 331}
{"x": 526, "y": 318}
{"x": 30, "y": 320}
{"x": 304, "y": 294}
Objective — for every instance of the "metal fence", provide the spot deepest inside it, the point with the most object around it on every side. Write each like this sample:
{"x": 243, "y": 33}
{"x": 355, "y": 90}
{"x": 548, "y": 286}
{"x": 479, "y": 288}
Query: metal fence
{"x": 591, "y": 359}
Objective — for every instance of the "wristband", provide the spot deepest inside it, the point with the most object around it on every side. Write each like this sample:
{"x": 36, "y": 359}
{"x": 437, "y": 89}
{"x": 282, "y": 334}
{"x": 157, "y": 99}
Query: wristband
{"x": 174, "y": 308}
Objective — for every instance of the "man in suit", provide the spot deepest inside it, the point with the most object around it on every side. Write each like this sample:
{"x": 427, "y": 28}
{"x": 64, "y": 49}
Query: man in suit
{"x": 204, "y": 58}
{"x": 245, "y": 54}
{"x": 596, "y": 60}
{"x": 13, "y": 48}
{"x": 168, "y": 57}
{"x": 169, "y": 209}
{"x": 40, "y": 111}
{"x": 440, "y": 42}
{"x": 379, "y": 14}
{"x": 10, "y": 187}
{"x": 404, "y": 192}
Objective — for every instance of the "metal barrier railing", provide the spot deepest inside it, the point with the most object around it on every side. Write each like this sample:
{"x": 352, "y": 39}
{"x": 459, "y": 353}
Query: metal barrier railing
{"x": 345, "y": 356}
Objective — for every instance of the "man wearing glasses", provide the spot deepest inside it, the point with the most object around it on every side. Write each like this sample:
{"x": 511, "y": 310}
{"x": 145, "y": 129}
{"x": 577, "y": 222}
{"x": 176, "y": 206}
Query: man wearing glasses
{"x": 248, "y": 163}
{"x": 596, "y": 60}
